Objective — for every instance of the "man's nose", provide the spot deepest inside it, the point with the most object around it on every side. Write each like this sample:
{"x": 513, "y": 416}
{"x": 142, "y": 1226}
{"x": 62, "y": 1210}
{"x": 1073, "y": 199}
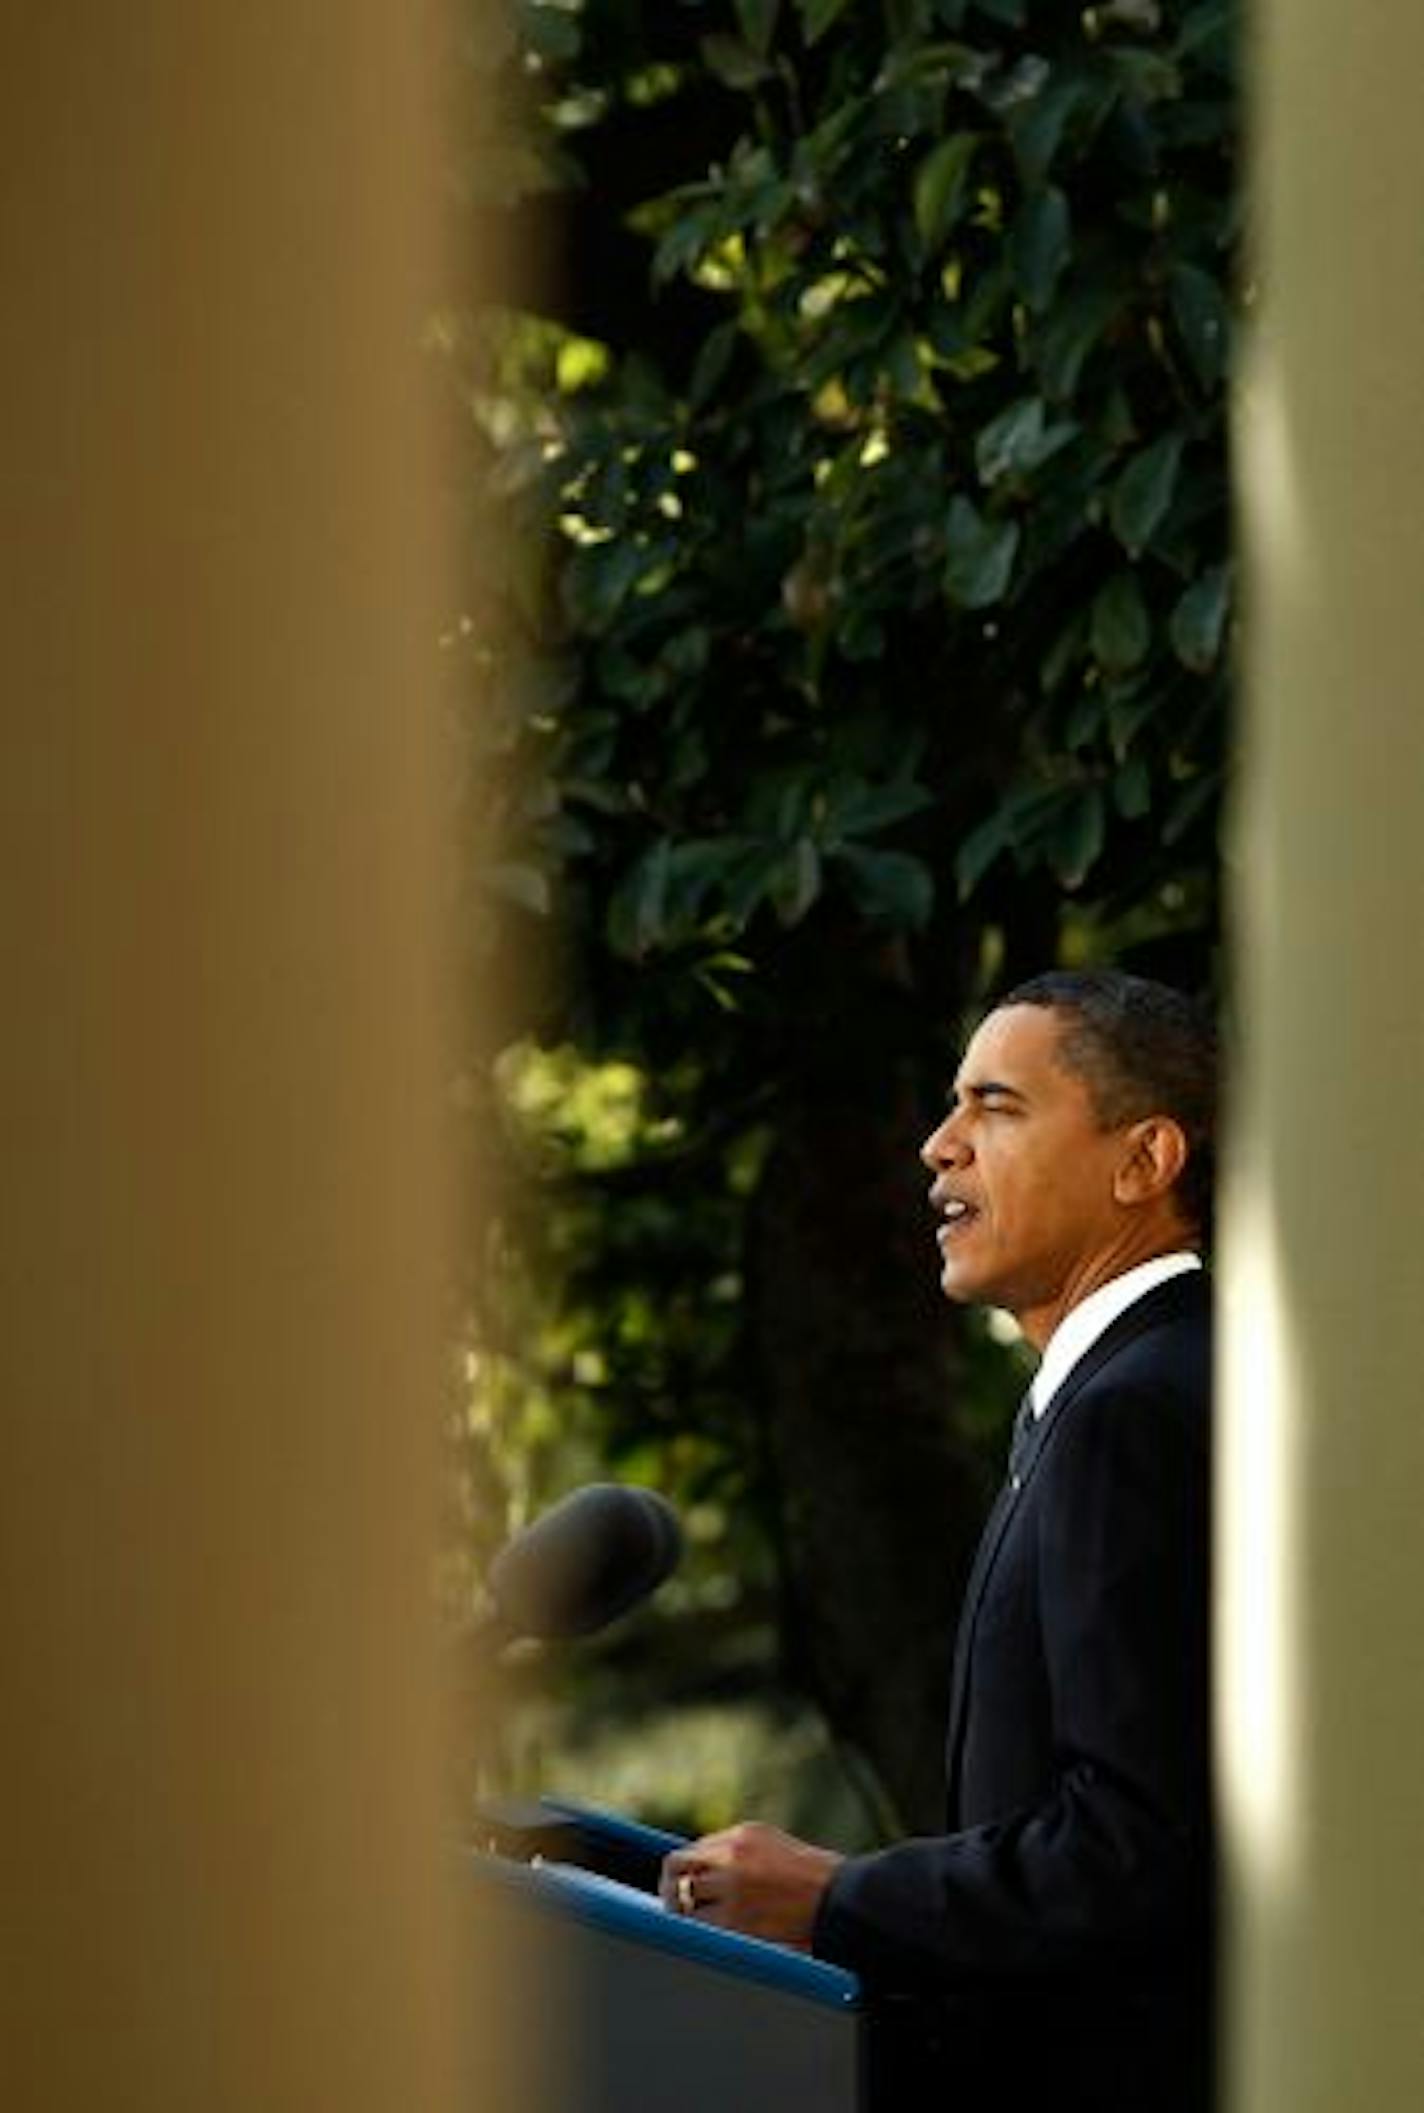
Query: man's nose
{"x": 944, "y": 1147}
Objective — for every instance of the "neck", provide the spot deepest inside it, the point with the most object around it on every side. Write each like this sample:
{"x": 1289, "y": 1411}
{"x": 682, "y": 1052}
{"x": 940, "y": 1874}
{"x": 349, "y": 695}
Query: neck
{"x": 1039, "y": 1322}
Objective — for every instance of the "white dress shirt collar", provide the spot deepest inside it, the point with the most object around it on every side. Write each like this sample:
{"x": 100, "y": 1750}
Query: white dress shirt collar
{"x": 1081, "y": 1326}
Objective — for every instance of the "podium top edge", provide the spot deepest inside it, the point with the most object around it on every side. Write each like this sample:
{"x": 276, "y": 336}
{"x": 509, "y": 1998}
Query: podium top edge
{"x": 640, "y": 1918}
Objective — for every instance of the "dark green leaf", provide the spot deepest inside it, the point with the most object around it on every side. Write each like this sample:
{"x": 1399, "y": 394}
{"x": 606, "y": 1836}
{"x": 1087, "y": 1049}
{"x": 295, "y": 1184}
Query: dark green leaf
{"x": 1009, "y": 12}
{"x": 861, "y": 637}
{"x": 907, "y": 19}
{"x": 734, "y": 63}
{"x": 712, "y": 363}
{"x": 1128, "y": 711}
{"x": 597, "y": 579}
{"x": 1019, "y": 440}
{"x": 1039, "y": 245}
{"x": 1010, "y": 88}
{"x": 1199, "y": 620}
{"x": 544, "y": 685}
{"x": 690, "y": 234}
{"x": 888, "y": 885}
{"x": 1121, "y": 630}
{"x": 692, "y": 870}
{"x": 552, "y": 32}
{"x": 758, "y": 23}
{"x": 749, "y": 880}
{"x": 1062, "y": 340}
{"x": 1144, "y": 74}
{"x": 817, "y": 16}
{"x": 1085, "y": 718}
{"x": 796, "y": 882}
{"x": 862, "y": 809}
{"x": 687, "y": 652}
{"x": 1132, "y": 789}
{"x": 599, "y": 793}
{"x": 571, "y": 838}
{"x": 1117, "y": 423}
{"x": 901, "y": 363}
{"x": 979, "y": 556}
{"x": 687, "y": 759}
{"x": 1201, "y": 315}
{"x": 940, "y": 184}
{"x": 961, "y": 326}
{"x": 1075, "y": 844}
{"x": 1026, "y": 818}
{"x": 1063, "y": 655}
{"x": 1189, "y": 804}
{"x": 622, "y": 674}
{"x": 979, "y": 850}
{"x": 1208, "y": 33}
{"x": 635, "y": 913}
{"x": 1144, "y": 491}
{"x": 1037, "y": 129}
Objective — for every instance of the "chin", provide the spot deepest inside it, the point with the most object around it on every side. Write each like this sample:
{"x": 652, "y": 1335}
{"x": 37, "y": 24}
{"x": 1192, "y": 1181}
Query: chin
{"x": 960, "y": 1289}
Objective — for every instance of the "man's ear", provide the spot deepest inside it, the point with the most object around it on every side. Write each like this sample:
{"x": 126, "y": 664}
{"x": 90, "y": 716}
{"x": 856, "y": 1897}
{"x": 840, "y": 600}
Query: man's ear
{"x": 1154, "y": 1154}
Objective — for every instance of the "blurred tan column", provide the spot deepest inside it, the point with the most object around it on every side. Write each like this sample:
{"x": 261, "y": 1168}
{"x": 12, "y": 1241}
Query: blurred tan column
{"x": 1322, "y": 1711}
{"x": 220, "y": 1070}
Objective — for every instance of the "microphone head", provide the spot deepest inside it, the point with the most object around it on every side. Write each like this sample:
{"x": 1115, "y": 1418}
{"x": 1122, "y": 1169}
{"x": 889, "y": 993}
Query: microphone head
{"x": 589, "y": 1559}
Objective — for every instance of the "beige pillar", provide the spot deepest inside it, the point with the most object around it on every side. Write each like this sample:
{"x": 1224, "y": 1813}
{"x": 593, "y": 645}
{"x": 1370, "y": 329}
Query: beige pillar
{"x": 1322, "y": 1697}
{"x": 220, "y": 1068}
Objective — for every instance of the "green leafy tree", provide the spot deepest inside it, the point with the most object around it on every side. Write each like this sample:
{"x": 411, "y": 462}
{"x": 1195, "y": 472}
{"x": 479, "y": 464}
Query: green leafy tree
{"x": 875, "y": 435}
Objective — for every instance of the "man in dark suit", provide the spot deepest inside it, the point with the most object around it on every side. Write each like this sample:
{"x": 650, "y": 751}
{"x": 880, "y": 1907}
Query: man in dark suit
{"x": 1054, "y": 1947}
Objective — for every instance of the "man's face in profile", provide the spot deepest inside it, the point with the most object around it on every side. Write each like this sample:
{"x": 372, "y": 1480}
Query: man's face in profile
{"x": 1023, "y": 1171}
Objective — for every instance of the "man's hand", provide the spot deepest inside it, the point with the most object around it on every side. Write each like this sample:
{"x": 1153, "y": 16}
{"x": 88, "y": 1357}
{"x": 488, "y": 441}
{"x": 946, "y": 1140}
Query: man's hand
{"x": 750, "y": 1878}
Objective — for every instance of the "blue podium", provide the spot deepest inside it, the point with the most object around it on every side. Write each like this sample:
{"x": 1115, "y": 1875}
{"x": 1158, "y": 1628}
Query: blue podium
{"x": 649, "y": 2012}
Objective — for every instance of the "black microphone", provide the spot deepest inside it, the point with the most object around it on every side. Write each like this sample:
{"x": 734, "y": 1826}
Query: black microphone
{"x": 591, "y": 1557}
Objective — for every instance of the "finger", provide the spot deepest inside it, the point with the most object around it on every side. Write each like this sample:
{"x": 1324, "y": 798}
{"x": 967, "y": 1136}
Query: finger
{"x": 678, "y": 1881}
{"x": 671, "y": 1872}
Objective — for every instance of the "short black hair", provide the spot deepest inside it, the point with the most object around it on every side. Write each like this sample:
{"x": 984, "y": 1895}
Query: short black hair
{"x": 1141, "y": 1048}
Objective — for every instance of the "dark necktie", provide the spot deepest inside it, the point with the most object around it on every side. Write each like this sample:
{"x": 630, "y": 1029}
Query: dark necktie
{"x": 1021, "y": 1442}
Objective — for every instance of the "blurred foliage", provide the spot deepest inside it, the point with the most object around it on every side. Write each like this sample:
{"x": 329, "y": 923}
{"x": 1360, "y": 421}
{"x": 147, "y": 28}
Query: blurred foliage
{"x": 865, "y": 601}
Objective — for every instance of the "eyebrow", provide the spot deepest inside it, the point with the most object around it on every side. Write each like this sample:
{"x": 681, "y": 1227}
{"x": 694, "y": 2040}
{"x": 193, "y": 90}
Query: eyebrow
{"x": 984, "y": 1090}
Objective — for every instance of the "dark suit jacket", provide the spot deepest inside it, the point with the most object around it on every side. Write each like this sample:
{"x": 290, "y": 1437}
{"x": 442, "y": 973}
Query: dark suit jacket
{"x": 1053, "y": 1949}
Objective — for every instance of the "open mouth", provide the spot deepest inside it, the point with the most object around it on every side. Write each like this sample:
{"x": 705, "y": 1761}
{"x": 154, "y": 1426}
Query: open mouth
{"x": 955, "y": 1216}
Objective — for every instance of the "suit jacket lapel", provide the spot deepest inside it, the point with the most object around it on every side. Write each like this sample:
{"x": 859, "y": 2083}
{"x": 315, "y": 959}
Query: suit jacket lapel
{"x": 1178, "y": 1294}
{"x": 995, "y": 1527}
